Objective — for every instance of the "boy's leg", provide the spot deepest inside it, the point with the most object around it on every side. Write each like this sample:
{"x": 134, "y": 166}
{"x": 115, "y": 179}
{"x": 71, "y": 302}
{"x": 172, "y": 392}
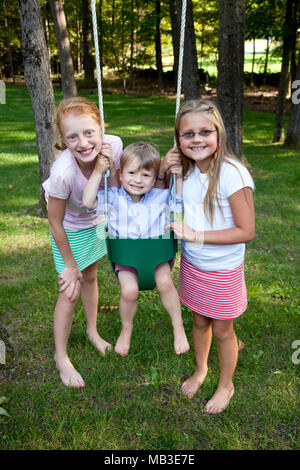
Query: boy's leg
{"x": 63, "y": 317}
{"x": 89, "y": 297}
{"x": 228, "y": 354}
{"x": 202, "y": 334}
{"x": 128, "y": 307}
{"x": 171, "y": 302}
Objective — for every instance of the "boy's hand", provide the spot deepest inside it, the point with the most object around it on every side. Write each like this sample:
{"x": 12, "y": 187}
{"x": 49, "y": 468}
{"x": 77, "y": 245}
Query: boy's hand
{"x": 102, "y": 163}
{"x": 107, "y": 151}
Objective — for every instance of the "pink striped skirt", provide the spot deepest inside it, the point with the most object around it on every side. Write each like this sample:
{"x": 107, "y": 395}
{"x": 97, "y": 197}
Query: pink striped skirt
{"x": 216, "y": 294}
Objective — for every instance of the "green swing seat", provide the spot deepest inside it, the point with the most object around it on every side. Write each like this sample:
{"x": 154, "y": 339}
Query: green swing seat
{"x": 143, "y": 254}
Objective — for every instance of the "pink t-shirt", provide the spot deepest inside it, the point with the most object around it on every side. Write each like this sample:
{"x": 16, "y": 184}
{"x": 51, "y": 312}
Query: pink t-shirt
{"x": 66, "y": 181}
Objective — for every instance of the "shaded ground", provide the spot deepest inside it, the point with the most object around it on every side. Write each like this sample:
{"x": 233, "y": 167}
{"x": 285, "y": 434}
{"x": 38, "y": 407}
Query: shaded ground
{"x": 255, "y": 100}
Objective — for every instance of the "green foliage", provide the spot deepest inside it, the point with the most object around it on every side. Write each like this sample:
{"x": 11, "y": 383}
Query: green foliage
{"x": 126, "y": 30}
{"x": 264, "y": 19}
{"x": 10, "y": 37}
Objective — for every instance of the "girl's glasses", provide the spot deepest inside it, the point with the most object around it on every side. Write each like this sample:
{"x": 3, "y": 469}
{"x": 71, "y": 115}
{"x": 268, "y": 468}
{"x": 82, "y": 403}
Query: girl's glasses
{"x": 202, "y": 133}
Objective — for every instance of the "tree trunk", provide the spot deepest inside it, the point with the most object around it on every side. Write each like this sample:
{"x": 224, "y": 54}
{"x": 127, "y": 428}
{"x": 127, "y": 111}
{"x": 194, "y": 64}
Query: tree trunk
{"x": 123, "y": 47}
{"x": 175, "y": 25}
{"x": 230, "y": 70}
{"x": 191, "y": 81}
{"x": 293, "y": 132}
{"x": 78, "y": 44}
{"x": 8, "y": 42}
{"x": 38, "y": 81}
{"x": 288, "y": 33}
{"x": 159, "y": 67}
{"x": 253, "y": 65}
{"x": 131, "y": 71}
{"x": 47, "y": 15}
{"x": 64, "y": 47}
{"x": 266, "y": 61}
{"x": 88, "y": 62}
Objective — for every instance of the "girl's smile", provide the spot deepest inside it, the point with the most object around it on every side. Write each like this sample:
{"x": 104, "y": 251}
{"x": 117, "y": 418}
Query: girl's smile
{"x": 200, "y": 148}
{"x": 82, "y": 135}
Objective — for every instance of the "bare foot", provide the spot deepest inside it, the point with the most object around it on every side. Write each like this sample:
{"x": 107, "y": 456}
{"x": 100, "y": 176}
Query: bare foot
{"x": 123, "y": 344}
{"x": 99, "y": 343}
{"x": 220, "y": 400}
{"x": 68, "y": 374}
{"x": 193, "y": 383}
{"x": 181, "y": 344}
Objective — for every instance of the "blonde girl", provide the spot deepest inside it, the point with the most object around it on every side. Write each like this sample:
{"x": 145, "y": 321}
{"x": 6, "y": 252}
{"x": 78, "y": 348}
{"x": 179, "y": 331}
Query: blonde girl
{"x": 218, "y": 221}
{"x": 77, "y": 238}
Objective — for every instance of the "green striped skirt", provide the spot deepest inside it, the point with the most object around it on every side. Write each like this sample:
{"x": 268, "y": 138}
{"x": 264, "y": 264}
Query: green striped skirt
{"x": 87, "y": 245}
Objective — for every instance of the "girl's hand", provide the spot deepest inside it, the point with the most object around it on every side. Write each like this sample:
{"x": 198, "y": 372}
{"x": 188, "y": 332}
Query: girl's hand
{"x": 69, "y": 281}
{"x": 185, "y": 232}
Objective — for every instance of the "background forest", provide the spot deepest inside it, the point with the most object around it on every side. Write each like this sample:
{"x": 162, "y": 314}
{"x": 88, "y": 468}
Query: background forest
{"x": 128, "y": 32}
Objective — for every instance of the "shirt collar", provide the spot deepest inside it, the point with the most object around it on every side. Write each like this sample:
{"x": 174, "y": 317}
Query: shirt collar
{"x": 124, "y": 194}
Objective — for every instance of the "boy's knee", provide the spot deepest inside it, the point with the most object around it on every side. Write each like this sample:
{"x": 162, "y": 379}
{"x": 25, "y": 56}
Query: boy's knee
{"x": 130, "y": 293}
{"x": 164, "y": 282}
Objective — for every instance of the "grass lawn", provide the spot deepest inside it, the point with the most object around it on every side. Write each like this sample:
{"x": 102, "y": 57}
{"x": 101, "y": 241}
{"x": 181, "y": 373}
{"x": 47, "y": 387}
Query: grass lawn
{"x": 136, "y": 402}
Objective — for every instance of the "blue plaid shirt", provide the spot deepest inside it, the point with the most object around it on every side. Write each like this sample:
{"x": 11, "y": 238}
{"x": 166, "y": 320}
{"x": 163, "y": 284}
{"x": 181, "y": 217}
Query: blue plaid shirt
{"x": 144, "y": 219}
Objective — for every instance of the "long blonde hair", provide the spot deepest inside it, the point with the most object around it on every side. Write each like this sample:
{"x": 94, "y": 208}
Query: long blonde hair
{"x": 77, "y": 105}
{"x": 223, "y": 152}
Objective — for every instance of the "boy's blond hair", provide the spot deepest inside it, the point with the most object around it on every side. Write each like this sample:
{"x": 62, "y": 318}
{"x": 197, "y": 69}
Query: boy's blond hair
{"x": 147, "y": 155}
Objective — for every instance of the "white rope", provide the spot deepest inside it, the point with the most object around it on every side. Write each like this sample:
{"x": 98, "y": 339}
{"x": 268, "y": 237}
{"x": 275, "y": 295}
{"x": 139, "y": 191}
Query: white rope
{"x": 100, "y": 98}
{"x": 98, "y": 70}
{"x": 179, "y": 74}
{"x": 181, "y": 52}
{"x": 179, "y": 81}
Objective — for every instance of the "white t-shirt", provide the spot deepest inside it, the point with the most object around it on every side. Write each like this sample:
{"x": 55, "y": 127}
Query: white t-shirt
{"x": 213, "y": 257}
{"x": 66, "y": 181}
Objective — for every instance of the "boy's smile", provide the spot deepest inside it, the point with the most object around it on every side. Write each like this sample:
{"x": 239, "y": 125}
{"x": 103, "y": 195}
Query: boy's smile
{"x": 137, "y": 181}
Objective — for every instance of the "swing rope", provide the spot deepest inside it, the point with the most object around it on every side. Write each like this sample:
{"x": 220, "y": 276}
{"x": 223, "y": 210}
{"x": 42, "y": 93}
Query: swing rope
{"x": 98, "y": 69}
{"x": 181, "y": 52}
{"x": 178, "y": 94}
{"x": 166, "y": 250}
